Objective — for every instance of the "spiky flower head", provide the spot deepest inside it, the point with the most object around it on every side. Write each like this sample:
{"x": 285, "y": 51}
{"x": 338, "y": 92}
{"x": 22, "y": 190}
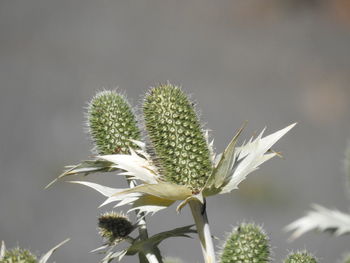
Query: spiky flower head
{"x": 114, "y": 227}
{"x": 18, "y": 255}
{"x": 247, "y": 244}
{"x": 300, "y": 257}
{"x": 181, "y": 149}
{"x": 112, "y": 123}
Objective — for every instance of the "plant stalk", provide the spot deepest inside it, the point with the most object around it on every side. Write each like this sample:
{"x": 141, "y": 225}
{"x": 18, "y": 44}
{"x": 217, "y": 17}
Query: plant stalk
{"x": 200, "y": 218}
{"x": 152, "y": 255}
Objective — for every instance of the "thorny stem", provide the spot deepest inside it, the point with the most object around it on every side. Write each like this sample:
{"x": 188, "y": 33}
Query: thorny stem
{"x": 200, "y": 218}
{"x": 152, "y": 255}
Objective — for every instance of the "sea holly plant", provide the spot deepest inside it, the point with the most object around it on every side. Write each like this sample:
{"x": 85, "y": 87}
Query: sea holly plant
{"x": 173, "y": 162}
{"x": 19, "y": 255}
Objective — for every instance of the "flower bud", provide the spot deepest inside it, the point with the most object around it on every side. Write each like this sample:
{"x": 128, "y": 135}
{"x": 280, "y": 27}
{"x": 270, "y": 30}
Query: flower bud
{"x": 114, "y": 227}
{"x": 180, "y": 148}
{"x": 247, "y": 243}
{"x": 300, "y": 257}
{"x": 18, "y": 255}
{"x": 111, "y": 123}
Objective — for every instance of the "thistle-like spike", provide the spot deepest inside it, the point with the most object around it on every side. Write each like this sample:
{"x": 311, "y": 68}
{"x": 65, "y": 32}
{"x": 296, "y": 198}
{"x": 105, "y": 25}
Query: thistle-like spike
{"x": 180, "y": 148}
{"x": 112, "y": 123}
{"x": 300, "y": 257}
{"x": 114, "y": 227}
{"x": 247, "y": 243}
{"x": 18, "y": 255}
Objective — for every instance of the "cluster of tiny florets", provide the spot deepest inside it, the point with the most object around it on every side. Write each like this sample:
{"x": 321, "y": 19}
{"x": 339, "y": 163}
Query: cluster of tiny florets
{"x": 18, "y": 255}
{"x": 112, "y": 123}
{"x": 300, "y": 257}
{"x": 114, "y": 227}
{"x": 246, "y": 244}
{"x": 174, "y": 130}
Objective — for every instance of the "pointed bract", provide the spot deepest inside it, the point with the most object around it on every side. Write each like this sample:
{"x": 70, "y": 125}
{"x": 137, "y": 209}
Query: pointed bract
{"x": 322, "y": 219}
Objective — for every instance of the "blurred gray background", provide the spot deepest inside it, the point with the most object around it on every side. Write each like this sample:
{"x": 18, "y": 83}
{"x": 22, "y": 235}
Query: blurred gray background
{"x": 270, "y": 62}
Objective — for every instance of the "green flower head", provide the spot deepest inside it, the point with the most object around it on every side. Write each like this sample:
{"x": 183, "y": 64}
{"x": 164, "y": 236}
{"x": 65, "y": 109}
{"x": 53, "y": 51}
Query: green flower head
{"x": 111, "y": 123}
{"x": 300, "y": 257}
{"x": 247, "y": 243}
{"x": 114, "y": 227}
{"x": 181, "y": 149}
{"x": 18, "y": 255}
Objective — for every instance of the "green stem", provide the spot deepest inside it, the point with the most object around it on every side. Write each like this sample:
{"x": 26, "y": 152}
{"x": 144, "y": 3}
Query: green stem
{"x": 200, "y": 218}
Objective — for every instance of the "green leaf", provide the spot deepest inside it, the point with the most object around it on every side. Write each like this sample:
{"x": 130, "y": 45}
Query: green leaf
{"x": 155, "y": 240}
{"x": 217, "y": 178}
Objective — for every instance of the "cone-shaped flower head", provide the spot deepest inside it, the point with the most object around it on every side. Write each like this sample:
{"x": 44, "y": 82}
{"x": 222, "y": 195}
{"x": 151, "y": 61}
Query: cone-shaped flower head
{"x": 181, "y": 150}
{"x": 247, "y": 243}
{"x": 112, "y": 123}
{"x": 114, "y": 227}
{"x": 18, "y": 255}
{"x": 300, "y": 257}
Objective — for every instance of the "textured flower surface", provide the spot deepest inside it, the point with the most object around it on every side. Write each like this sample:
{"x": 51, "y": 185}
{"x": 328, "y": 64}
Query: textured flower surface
{"x": 179, "y": 164}
{"x": 300, "y": 257}
{"x": 114, "y": 227}
{"x": 246, "y": 243}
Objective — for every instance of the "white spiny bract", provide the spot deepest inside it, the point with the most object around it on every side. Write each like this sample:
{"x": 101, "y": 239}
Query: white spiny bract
{"x": 322, "y": 219}
{"x": 177, "y": 165}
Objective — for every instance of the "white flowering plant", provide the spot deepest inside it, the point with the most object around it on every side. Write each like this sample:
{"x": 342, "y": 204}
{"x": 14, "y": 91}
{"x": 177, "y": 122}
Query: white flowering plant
{"x": 169, "y": 160}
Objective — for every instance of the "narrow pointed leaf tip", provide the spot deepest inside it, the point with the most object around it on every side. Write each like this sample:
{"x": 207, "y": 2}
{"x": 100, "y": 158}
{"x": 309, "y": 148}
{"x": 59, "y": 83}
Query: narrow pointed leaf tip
{"x": 246, "y": 159}
{"x": 247, "y": 243}
{"x": 322, "y": 219}
{"x": 112, "y": 123}
{"x": 180, "y": 148}
{"x": 48, "y": 254}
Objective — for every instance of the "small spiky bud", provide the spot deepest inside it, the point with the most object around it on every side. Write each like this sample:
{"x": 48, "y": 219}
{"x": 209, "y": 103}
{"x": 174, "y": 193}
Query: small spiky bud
{"x": 181, "y": 150}
{"x": 246, "y": 244}
{"x": 18, "y": 255}
{"x": 112, "y": 123}
{"x": 114, "y": 227}
{"x": 300, "y": 257}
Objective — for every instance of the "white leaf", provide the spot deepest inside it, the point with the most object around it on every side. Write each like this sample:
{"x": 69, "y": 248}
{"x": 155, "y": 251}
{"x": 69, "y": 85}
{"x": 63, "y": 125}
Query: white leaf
{"x": 135, "y": 165}
{"x": 2, "y": 250}
{"x": 321, "y": 219}
{"x": 45, "y": 257}
{"x": 99, "y": 248}
{"x": 250, "y": 156}
{"x": 104, "y": 190}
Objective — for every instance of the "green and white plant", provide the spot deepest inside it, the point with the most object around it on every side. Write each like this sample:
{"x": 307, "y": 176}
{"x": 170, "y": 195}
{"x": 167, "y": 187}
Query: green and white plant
{"x": 19, "y": 255}
{"x": 173, "y": 162}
